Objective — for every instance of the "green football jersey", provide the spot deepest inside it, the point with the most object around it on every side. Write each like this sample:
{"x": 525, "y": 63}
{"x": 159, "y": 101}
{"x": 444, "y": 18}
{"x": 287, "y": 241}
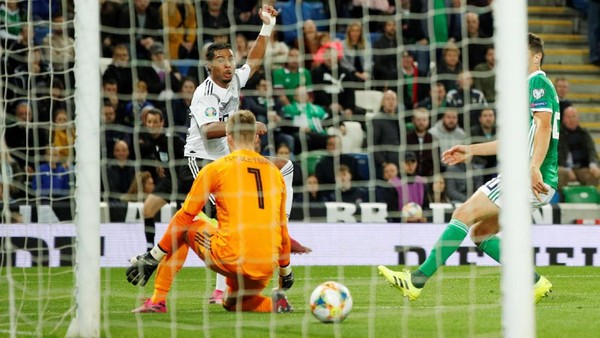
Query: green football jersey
{"x": 543, "y": 97}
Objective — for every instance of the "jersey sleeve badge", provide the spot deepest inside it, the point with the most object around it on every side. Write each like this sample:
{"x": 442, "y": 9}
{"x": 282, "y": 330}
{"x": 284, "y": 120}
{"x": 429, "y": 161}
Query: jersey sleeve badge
{"x": 538, "y": 93}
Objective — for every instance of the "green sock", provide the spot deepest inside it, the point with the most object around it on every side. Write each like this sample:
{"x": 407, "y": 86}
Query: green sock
{"x": 446, "y": 245}
{"x": 491, "y": 246}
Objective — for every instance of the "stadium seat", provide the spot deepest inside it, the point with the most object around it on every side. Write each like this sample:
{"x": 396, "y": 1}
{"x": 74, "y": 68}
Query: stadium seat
{"x": 580, "y": 194}
{"x": 310, "y": 159}
{"x": 352, "y": 141}
{"x": 369, "y": 100}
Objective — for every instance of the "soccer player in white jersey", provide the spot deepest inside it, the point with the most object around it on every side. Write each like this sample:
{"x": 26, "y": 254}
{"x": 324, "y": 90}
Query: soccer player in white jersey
{"x": 480, "y": 212}
{"x": 213, "y": 102}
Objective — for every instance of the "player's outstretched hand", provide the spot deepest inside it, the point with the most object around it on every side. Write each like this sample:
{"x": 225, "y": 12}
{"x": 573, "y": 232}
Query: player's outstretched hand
{"x": 267, "y": 13}
{"x": 141, "y": 268}
{"x": 286, "y": 278}
{"x": 457, "y": 154}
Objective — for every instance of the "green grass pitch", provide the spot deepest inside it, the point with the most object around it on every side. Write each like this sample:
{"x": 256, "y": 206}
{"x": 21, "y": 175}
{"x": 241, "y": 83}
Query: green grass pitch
{"x": 458, "y": 302}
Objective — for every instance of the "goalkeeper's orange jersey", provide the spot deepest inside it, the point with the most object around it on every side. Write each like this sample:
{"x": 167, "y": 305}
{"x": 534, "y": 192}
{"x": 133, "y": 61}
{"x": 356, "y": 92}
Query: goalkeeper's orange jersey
{"x": 250, "y": 198}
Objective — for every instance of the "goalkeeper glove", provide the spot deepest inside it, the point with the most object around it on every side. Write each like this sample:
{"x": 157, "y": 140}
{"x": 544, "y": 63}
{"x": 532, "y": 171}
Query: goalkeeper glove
{"x": 286, "y": 277}
{"x": 141, "y": 269}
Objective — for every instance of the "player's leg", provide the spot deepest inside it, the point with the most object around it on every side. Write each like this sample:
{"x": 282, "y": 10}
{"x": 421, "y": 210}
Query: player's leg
{"x": 477, "y": 208}
{"x": 152, "y": 205}
{"x": 483, "y": 234}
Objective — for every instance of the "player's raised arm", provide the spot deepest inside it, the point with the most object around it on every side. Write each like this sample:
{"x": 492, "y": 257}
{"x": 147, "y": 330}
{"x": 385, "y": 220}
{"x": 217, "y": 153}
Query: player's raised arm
{"x": 255, "y": 56}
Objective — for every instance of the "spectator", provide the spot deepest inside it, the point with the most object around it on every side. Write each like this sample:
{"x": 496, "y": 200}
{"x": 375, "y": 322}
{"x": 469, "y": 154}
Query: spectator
{"x": 347, "y": 192}
{"x": 385, "y": 62}
{"x": 10, "y": 22}
{"x": 15, "y": 176}
{"x": 331, "y": 93}
{"x": 356, "y": 51}
{"x": 594, "y": 31}
{"x": 423, "y": 144}
{"x": 242, "y": 48}
{"x": 142, "y": 186}
{"x": 110, "y": 10}
{"x": 214, "y": 20}
{"x": 413, "y": 32}
{"x": 260, "y": 103}
{"x": 120, "y": 71}
{"x": 31, "y": 79}
{"x": 246, "y": 14}
{"x": 277, "y": 51}
{"x": 308, "y": 42}
{"x": 485, "y": 131}
{"x": 450, "y": 66}
{"x": 328, "y": 165}
{"x": 16, "y": 50}
{"x": 178, "y": 17}
{"x": 63, "y": 136}
{"x": 435, "y": 102}
{"x": 436, "y": 191}
{"x": 326, "y": 42}
{"x": 384, "y": 133}
{"x": 110, "y": 89}
{"x": 414, "y": 89}
{"x": 178, "y": 116}
{"x": 307, "y": 118}
{"x": 447, "y": 131}
{"x": 120, "y": 173}
{"x": 24, "y": 138}
{"x": 468, "y": 97}
{"x": 314, "y": 194}
{"x": 412, "y": 186}
{"x": 562, "y": 90}
{"x": 147, "y": 28}
{"x": 283, "y": 151}
{"x": 362, "y": 8}
{"x": 577, "y": 156}
{"x": 477, "y": 43}
{"x": 485, "y": 79}
{"x": 60, "y": 47}
{"x": 133, "y": 109}
{"x": 290, "y": 77}
{"x": 111, "y": 130}
{"x": 387, "y": 193}
{"x": 161, "y": 77}
{"x": 51, "y": 178}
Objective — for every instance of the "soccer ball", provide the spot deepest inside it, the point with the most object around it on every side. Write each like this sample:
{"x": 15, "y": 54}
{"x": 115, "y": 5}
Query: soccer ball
{"x": 412, "y": 210}
{"x": 330, "y": 302}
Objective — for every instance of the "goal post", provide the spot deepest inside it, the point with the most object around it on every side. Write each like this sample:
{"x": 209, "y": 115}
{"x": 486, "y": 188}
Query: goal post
{"x": 515, "y": 215}
{"x": 86, "y": 322}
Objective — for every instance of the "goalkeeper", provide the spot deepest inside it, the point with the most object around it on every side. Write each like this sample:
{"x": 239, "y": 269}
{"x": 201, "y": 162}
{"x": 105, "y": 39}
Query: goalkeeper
{"x": 252, "y": 239}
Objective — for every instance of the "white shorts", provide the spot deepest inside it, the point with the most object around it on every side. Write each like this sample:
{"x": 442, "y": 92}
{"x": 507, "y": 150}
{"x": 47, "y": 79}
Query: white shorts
{"x": 492, "y": 190}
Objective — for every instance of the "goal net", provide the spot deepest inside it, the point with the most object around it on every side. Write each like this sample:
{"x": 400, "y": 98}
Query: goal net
{"x": 389, "y": 85}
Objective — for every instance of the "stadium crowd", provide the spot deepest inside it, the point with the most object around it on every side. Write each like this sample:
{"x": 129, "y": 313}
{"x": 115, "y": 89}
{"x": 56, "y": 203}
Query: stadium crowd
{"x": 430, "y": 93}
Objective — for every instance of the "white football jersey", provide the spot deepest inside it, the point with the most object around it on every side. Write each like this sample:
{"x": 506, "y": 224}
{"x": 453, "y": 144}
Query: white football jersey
{"x": 212, "y": 103}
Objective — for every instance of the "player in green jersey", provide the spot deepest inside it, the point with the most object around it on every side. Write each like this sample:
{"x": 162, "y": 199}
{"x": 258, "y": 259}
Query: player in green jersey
{"x": 479, "y": 213}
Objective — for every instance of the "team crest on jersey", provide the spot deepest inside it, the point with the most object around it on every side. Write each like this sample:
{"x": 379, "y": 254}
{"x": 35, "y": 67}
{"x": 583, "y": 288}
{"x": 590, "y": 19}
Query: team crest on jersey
{"x": 210, "y": 112}
{"x": 538, "y": 93}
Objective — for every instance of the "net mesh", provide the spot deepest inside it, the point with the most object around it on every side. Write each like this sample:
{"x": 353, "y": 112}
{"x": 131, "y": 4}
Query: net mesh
{"x": 398, "y": 79}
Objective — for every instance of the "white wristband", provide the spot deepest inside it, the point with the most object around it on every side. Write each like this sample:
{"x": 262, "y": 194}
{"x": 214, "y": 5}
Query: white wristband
{"x": 267, "y": 29}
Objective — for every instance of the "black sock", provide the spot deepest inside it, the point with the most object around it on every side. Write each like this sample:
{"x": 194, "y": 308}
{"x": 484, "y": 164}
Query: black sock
{"x": 418, "y": 278}
{"x": 149, "y": 231}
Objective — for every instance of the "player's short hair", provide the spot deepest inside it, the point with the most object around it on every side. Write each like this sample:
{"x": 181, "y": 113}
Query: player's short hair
{"x": 213, "y": 48}
{"x": 536, "y": 45}
{"x": 242, "y": 126}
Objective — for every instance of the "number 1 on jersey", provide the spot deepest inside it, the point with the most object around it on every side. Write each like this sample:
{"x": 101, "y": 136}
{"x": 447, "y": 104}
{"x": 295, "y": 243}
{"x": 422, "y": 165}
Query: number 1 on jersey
{"x": 259, "y": 187}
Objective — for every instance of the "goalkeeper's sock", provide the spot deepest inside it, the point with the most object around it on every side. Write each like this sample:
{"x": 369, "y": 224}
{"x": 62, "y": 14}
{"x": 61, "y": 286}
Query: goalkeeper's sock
{"x": 167, "y": 270}
{"x": 221, "y": 283}
{"x": 150, "y": 232}
{"x": 446, "y": 245}
{"x": 491, "y": 246}
{"x": 288, "y": 177}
